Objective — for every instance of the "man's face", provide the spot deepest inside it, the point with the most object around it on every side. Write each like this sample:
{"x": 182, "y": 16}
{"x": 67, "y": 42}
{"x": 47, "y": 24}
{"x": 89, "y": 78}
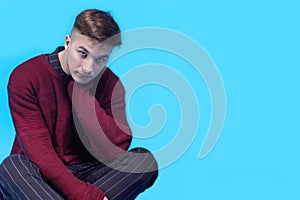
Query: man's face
{"x": 86, "y": 58}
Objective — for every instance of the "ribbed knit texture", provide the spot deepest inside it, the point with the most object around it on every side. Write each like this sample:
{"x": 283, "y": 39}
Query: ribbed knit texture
{"x": 41, "y": 109}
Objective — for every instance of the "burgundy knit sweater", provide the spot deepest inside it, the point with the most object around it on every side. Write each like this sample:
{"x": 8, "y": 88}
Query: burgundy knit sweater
{"x": 41, "y": 103}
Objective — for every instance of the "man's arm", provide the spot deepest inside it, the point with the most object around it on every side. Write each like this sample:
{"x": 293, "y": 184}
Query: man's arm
{"x": 36, "y": 142}
{"x": 104, "y": 126}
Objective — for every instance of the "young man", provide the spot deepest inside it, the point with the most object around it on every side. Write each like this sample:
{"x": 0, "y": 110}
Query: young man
{"x": 72, "y": 135}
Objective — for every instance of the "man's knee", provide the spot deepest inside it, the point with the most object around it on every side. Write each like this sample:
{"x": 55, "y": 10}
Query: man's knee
{"x": 8, "y": 169}
{"x": 15, "y": 161}
{"x": 7, "y": 162}
{"x": 145, "y": 160}
{"x": 146, "y": 164}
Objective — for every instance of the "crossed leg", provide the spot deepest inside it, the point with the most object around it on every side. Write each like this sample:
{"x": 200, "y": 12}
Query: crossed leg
{"x": 124, "y": 179}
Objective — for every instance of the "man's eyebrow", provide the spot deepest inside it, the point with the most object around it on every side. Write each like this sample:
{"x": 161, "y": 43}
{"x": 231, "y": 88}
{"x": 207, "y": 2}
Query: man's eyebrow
{"x": 104, "y": 56}
{"x": 83, "y": 48}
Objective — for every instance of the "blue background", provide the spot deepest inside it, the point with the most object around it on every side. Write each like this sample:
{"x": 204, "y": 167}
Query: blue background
{"x": 255, "y": 45}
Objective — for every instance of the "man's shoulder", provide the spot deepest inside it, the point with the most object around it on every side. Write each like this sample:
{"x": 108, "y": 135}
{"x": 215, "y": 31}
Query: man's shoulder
{"x": 109, "y": 82}
{"x": 108, "y": 78}
{"x": 109, "y": 74}
{"x": 28, "y": 70}
{"x": 31, "y": 65}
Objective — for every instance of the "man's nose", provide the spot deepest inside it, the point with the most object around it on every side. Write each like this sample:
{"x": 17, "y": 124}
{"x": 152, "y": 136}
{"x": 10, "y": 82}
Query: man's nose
{"x": 87, "y": 67}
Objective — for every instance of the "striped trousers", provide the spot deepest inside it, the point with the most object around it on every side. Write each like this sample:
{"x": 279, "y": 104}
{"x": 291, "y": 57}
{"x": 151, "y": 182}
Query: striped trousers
{"x": 133, "y": 173}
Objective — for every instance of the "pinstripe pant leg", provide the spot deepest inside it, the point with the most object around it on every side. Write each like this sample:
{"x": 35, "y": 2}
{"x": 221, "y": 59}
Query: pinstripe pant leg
{"x": 2, "y": 189}
{"x": 127, "y": 176}
{"x": 21, "y": 179}
{"x": 133, "y": 173}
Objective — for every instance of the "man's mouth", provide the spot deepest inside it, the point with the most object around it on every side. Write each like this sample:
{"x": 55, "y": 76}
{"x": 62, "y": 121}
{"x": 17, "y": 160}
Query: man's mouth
{"x": 83, "y": 75}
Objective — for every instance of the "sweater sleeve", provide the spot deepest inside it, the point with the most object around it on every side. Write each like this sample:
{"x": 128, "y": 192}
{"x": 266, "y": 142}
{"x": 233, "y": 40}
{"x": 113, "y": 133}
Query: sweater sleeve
{"x": 35, "y": 139}
{"x": 103, "y": 125}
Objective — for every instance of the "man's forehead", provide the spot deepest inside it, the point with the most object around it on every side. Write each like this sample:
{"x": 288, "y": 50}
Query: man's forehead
{"x": 89, "y": 44}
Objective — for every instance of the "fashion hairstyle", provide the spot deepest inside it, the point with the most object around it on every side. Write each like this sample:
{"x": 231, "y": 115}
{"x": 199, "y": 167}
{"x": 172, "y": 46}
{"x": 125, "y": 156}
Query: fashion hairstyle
{"x": 98, "y": 25}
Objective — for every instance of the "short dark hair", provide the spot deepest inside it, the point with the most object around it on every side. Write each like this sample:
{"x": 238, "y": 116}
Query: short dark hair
{"x": 98, "y": 25}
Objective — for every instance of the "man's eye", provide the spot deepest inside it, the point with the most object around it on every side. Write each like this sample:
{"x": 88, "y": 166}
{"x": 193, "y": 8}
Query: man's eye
{"x": 83, "y": 54}
{"x": 101, "y": 59}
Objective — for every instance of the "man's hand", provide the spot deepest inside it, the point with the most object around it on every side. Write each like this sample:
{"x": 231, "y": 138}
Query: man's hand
{"x": 105, "y": 198}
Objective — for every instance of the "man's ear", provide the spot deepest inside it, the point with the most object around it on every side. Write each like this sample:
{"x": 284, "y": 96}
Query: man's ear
{"x": 67, "y": 41}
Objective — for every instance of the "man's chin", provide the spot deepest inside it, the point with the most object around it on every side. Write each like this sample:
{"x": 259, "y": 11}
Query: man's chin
{"x": 83, "y": 82}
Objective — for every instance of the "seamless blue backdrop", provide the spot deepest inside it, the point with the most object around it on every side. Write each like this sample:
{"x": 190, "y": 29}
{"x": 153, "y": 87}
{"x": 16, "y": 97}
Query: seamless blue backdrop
{"x": 255, "y": 45}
